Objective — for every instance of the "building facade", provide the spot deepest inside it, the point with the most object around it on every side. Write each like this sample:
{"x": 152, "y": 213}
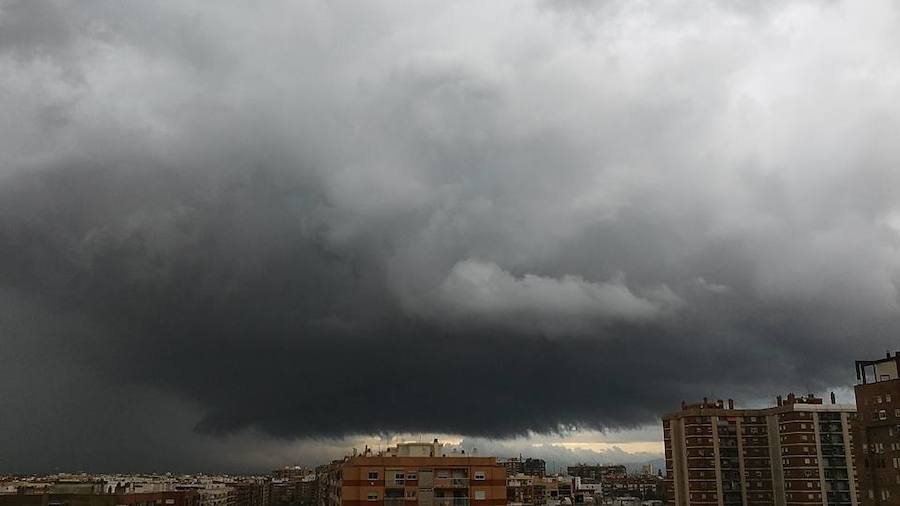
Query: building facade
{"x": 597, "y": 472}
{"x": 797, "y": 453}
{"x": 528, "y": 467}
{"x": 877, "y": 430}
{"x": 415, "y": 474}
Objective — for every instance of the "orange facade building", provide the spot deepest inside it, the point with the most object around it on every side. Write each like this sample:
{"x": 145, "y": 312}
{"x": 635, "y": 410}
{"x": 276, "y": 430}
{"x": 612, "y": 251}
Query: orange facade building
{"x": 415, "y": 474}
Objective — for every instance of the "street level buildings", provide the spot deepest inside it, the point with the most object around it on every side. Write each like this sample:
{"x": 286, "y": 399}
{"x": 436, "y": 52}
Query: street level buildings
{"x": 797, "y": 453}
{"x": 172, "y": 498}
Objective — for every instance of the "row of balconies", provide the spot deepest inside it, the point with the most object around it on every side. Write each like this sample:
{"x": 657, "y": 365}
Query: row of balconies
{"x": 437, "y": 501}
{"x": 437, "y": 483}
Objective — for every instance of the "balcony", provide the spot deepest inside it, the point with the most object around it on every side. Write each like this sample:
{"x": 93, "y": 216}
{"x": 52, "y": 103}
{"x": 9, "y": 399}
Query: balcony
{"x": 451, "y": 501}
{"x": 451, "y": 483}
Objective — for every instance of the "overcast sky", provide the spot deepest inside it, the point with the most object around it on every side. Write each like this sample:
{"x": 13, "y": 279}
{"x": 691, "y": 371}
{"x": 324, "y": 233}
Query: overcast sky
{"x": 240, "y": 234}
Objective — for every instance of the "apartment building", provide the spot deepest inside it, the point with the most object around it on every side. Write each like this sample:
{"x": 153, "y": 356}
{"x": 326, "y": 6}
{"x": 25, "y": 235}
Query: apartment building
{"x": 529, "y": 466}
{"x": 415, "y": 474}
{"x": 797, "y": 453}
{"x": 877, "y": 430}
{"x": 525, "y": 490}
{"x": 597, "y": 472}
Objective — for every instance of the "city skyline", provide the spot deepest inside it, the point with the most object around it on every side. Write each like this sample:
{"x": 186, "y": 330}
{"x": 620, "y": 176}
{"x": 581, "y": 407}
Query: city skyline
{"x": 238, "y": 235}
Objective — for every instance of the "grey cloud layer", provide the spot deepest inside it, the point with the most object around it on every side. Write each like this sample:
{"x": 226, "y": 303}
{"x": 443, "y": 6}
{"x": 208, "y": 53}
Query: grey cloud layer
{"x": 517, "y": 217}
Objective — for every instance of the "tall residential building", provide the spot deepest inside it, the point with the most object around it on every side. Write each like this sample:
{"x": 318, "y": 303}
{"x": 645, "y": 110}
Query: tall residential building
{"x": 797, "y": 453}
{"x": 877, "y": 430}
{"x": 415, "y": 474}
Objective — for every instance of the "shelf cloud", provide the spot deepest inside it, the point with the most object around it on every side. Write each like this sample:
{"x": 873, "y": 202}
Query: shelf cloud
{"x": 493, "y": 219}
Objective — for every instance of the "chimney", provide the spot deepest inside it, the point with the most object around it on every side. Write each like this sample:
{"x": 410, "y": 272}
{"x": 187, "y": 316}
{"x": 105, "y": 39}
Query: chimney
{"x": 778, "y": 400}
{"x": 705, "y": 401}
{"x": 730, "y": 403}
{"x": 833, "y": 400}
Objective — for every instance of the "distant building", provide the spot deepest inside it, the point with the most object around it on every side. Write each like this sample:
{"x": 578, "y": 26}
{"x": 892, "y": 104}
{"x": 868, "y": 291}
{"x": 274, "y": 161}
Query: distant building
{"x": 252, "y": 492}
{"x": 877, "y": 430}
{"x": 415, "y": 474}
{"x": 291, "y": 473}
{"x": 513, "y": 466}
{"x": 535, "y": 467}
{"x": 643, "y": 486}
{"x": 532, "y": 490}
{"x": 795, "y": 453}
{"x": 529, "y": 466}
{"x": 597, "y": 472}
{"x": 294, "y": 486}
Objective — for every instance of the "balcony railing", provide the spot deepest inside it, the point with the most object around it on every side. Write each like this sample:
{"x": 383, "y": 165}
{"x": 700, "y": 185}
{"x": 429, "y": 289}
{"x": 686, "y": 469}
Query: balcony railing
{"x": 451, "y": 501}
{"x": 451, "y": 483}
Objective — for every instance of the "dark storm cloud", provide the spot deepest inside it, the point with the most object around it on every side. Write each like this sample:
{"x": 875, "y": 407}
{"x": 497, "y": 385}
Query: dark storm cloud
{"x": 327, "y": 219}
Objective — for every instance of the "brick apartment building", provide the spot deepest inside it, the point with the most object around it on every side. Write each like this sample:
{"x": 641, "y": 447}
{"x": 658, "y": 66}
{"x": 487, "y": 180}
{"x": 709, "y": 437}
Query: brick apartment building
{"x": 877, "y": 430}
{"x": 797, "y": 453}
{"x": 415, "y": 474}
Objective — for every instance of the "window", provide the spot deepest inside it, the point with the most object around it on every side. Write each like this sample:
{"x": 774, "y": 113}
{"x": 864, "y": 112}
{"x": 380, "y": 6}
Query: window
{"x": 882, "y": 415}
{"x": 373, "y": 496}
{"x": 373, "y": 475}
{"x": 877, "y": 399}
{"x": 412, "y": 476}
{"x": 479, "y": 475}
{"x": 480, "y": 495}
{"x": 411, "y": 494}
{"x": 443, "y": 474}
{"x": 887, "y": 397}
